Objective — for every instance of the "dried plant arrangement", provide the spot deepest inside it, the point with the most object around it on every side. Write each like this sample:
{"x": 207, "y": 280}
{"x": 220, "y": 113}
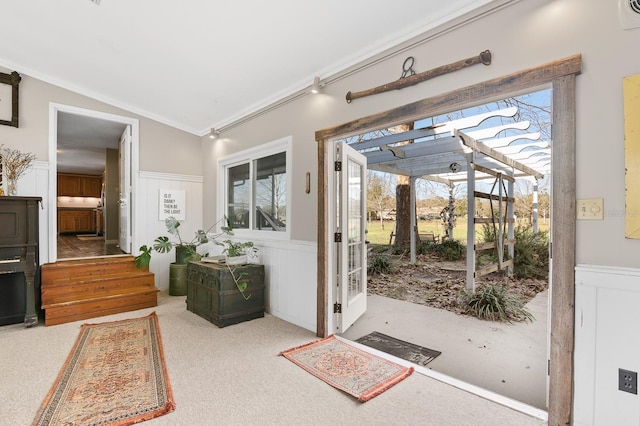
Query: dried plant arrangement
{"x": 15, "y": 163}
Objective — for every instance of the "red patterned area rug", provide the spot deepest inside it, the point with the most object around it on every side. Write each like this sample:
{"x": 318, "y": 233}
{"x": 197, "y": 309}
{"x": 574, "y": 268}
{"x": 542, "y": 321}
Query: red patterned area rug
{"x": 115, "y": 375}
{"x": 348, "y": 368}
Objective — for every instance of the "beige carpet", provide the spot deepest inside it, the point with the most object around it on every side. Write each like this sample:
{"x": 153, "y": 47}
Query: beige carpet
{"x": 235, "y": 376}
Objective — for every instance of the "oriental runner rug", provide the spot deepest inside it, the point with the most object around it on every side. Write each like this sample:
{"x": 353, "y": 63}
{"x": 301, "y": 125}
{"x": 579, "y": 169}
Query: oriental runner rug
{"x": 115, "y": 375}
{"x": 348, "y": 368}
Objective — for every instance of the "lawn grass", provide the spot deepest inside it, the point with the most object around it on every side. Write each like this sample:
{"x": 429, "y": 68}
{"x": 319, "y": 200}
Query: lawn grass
{"x": 377, "y": 235}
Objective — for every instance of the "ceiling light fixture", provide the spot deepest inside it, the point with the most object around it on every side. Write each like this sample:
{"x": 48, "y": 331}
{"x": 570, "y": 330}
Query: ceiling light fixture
{"x": 214, "y": 133}
{"x": 316, "y": 86}
{"x": 96, "y": 2}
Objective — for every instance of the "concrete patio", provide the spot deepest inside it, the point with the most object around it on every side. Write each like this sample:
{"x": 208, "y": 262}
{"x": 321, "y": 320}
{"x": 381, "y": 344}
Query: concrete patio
{"x": 509, "y": 360}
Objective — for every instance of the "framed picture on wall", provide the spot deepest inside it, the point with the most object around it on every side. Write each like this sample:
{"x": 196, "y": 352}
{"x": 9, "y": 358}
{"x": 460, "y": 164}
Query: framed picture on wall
{"x": 9, "y": 98}
{"x": 631, "y": 89}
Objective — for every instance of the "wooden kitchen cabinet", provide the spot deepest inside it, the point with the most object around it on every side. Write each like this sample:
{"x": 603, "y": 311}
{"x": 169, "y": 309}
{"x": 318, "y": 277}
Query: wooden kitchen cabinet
{"x": 72, "y": 185}
{"x": 73, "y": 221}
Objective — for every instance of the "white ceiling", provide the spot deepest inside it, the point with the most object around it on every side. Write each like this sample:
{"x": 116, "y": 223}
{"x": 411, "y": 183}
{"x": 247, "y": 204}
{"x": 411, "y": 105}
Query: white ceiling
{"x": 199, "y": 64}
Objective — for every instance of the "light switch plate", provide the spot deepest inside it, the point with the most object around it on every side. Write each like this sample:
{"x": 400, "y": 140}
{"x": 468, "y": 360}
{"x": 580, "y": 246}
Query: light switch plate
{"x": 590, "y": 209}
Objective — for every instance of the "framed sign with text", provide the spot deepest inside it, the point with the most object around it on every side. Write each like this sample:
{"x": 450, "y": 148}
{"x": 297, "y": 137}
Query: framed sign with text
{"x": 172, "y": 203}
{"x": 9, "y": 98}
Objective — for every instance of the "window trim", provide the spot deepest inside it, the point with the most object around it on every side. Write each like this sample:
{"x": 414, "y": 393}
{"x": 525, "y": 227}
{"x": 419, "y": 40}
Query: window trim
{"x": 250, "y": 156}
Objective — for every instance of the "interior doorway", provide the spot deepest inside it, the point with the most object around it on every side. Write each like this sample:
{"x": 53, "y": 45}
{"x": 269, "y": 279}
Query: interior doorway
{"x": 561, "y": 76}
{"x": 84, "y": 146}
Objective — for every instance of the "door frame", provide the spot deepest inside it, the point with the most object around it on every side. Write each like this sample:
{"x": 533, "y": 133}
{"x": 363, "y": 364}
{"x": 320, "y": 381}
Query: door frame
{"x": 54, "y": 109}
{"x": 561, "y": 76}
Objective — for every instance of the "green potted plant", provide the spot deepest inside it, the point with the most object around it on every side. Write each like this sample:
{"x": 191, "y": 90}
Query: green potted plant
{"x": 187, "y": 249}
{"x": 237, "y": 253}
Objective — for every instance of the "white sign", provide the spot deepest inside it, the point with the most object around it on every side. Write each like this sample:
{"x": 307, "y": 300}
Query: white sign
{"x": 172, "y": 203}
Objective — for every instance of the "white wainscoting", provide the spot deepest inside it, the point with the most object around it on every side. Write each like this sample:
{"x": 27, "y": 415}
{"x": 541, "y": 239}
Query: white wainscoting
{"x": 149, "y": 226}
{"x": 35, "y": 183}
{"x": 606, "y": 339}
{"x": 291, "y": 281}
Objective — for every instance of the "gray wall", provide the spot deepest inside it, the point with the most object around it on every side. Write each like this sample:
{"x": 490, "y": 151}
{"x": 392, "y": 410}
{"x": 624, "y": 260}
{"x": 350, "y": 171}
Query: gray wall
{"x": 523, "y": 35}
{"x": 162, "y": 148}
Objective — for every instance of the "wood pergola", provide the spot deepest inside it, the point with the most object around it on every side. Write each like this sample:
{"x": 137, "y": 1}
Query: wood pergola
{"x": 465, "y": 151}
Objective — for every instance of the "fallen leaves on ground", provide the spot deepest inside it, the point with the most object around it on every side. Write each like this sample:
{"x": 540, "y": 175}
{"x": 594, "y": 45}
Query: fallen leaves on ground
{"x": 440, "y": 284}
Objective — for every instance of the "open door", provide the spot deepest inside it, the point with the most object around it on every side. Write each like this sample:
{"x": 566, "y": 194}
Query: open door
{"x": 350, "y": 237}
{"x": 124, "y": 154}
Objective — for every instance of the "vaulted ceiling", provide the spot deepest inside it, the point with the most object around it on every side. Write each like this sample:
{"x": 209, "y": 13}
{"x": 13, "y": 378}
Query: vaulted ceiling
{"x": 205, "y": 63}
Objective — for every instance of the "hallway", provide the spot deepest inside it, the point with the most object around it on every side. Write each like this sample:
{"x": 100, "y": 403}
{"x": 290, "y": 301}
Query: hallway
{"x": 73, "y": 246}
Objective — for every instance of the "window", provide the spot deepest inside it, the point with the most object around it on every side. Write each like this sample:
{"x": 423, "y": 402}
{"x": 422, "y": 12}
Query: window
{"x": 256, "y": 187}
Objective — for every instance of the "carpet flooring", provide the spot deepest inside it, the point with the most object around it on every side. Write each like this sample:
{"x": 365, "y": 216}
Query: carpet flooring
{"x": 115, "y": 375}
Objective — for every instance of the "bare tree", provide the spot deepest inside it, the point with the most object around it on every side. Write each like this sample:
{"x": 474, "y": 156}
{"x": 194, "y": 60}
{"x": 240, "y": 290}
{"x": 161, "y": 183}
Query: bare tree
{"x": 379, "y": 194}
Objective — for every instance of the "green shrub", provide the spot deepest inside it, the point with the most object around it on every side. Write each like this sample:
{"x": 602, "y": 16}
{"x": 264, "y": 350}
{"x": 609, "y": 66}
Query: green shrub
{"x": 496, "y": 303}
{"x": 531, "y": 253}
{"x": 450, "y": 250}
{"x": 378, "y": 264}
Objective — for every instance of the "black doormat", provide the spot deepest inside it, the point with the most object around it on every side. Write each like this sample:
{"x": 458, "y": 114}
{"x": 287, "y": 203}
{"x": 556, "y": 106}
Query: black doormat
{"x": 405, "y": 350}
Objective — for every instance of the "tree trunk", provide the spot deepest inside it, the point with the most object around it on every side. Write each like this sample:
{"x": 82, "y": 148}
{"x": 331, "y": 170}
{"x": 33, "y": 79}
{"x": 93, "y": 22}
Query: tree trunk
{"x": 403, "y": 211}
{"x": 403, "y": 202}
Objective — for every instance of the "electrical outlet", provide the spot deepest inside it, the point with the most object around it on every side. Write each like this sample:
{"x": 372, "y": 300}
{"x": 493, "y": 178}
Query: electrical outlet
{"x": 628, "y": 381}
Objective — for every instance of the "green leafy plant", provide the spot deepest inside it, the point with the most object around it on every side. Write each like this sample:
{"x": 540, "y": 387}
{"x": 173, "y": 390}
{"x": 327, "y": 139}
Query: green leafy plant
{"x": 531, "y": 251}
{"x": 496, "y": 303}
{"x": 380, "y": 264}
{"x": 241, "y": 280}
{"x": 234, "y": 249}
{"x": 450, "y": 250}
{"x": 163, "y": 244}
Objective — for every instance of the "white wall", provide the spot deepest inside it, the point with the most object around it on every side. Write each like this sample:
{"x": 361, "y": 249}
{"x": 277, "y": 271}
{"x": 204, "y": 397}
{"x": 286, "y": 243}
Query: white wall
{"x": 151, "y": 226}
{"x": 35, "y": 183}
{"x": 607, "y": 301}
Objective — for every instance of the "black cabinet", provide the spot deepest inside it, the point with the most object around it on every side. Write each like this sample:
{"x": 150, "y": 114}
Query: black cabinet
{"x": 19, "y": 289}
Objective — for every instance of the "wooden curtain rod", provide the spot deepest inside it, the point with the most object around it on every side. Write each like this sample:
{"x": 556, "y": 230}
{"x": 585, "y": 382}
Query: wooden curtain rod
{"x": 482, "y": 58}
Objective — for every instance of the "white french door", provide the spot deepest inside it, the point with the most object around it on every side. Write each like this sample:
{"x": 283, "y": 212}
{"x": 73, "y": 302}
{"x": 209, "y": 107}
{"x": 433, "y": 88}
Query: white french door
{"x": 350, "y": 236}
{"x": 124, "y": 153}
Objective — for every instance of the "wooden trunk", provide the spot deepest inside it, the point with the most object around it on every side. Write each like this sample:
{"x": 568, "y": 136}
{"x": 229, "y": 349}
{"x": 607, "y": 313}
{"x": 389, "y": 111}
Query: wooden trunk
{"x": 213, "y": 295}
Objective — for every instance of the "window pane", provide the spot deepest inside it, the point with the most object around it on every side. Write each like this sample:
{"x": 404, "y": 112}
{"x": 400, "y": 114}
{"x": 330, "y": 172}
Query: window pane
{"x": 271, "y": 192}
{"x": 354, "y": 229}
{"x": 239, "y": 195}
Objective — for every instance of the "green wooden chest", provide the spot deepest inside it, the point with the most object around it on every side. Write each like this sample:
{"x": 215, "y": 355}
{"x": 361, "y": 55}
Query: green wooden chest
{"x": 213, "y": 295}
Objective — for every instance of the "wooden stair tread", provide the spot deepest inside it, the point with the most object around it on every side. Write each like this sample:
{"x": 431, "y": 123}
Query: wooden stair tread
{"x": 105, "y": 277}
{"x": 77, "y": 299}
{"x": 65, "y": 314}
{"x": 88, "y": 262}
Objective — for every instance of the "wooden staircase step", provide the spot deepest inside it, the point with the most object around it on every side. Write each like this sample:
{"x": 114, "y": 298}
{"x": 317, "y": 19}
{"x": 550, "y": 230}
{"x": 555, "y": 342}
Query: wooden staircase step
{"x": 97, "y": 288}
{"x": 64, "y": 312}
{"x": 67, "y": 269}
{"x": 74, "y": 281}
{"x": 57, "y": 289}
{"x": 80, "y": 289}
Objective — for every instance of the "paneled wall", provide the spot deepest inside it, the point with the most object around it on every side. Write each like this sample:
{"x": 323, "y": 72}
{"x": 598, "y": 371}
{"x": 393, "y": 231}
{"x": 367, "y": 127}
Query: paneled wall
{"x": 148, "y": 224}
{"x": 35, "y": 183}
{"x": 606, "y": 339}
